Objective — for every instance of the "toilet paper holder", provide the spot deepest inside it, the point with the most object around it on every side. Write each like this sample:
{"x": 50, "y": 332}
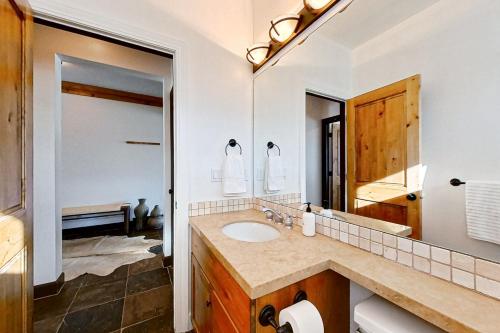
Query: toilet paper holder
{"x": 268, "y": 313}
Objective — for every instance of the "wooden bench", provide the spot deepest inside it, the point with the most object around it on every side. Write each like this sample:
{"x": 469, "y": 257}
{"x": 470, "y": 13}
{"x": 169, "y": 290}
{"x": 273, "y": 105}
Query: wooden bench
{"x": 78, "y": 217}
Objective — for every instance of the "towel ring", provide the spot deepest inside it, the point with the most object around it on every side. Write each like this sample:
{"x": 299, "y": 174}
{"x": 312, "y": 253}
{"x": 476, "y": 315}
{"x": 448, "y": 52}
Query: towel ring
{"x": 456, "y": 182}
{"x": 271, "y": 145}
{"x": 232, "y": 143}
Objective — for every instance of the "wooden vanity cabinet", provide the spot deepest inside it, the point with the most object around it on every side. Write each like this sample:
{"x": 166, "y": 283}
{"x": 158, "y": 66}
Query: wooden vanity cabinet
{"x": 208, "y": 312}
{"x": 221, "y": 321}
{"x": 218, "y": 302}
{"x": 219, "y": 305}
{"x": 328, "y": 291}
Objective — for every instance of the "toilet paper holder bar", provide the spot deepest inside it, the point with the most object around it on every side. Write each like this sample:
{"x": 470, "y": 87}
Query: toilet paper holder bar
{"x": 268, "y": 313}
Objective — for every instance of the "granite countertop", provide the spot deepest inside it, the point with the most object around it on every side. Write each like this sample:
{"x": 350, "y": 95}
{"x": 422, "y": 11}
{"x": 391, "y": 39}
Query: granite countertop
{"x": 262, "y": 268}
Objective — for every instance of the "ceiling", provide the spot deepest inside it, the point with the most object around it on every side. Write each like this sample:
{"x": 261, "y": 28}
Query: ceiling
{"x": 112, "y": 77}
{"x": 365, "y": 19}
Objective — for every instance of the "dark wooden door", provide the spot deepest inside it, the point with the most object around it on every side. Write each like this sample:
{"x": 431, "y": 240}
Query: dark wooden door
{"x": 16, "y": 284}
{"x": 383, "y": 143}
{"x": 333, "y": 174}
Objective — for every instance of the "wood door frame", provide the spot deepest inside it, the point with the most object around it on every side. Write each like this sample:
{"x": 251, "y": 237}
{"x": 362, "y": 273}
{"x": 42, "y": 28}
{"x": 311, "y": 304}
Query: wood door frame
{"x": 343, "y": 151}
{"x": 67, "y": 15}
{"x": 412, "y": 157}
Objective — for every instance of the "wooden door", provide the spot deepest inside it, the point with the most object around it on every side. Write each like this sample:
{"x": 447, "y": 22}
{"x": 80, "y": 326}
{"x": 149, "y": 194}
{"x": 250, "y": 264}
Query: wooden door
{"x": 201, "y": 301}
{"x": 383, "y": 142}
{"x": 16, "y": 249}
{"x": 221, "y": 322}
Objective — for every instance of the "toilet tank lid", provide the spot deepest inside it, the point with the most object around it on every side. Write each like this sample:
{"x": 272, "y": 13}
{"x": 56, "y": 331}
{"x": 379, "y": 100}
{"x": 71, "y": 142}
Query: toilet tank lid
{"x": 376, "y": 315}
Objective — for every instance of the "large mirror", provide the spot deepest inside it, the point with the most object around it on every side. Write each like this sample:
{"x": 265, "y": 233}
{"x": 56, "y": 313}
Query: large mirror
{"x": 379, "y": 109}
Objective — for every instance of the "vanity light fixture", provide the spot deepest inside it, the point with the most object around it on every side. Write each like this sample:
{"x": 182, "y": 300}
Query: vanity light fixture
{"x": 258, "y": 53}
{"x": 315, "y": 5}
{"x": 283, "y": 27}
{"x": 286, "y": 28}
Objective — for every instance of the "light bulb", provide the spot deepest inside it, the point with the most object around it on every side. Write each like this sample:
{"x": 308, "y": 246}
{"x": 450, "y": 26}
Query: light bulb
{"x": 257, "y": 53}
{"x": 316, "y": 4}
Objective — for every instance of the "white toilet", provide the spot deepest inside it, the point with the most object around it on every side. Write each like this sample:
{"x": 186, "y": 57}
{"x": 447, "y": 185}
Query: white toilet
{"x": 376, "y": 315}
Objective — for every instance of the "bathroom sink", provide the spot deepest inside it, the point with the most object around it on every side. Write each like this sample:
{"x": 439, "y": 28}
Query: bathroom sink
{"x": 250, "y": 231}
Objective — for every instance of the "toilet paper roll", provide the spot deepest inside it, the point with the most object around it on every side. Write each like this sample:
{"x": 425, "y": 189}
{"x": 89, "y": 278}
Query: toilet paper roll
{"x": 303, "y": 317}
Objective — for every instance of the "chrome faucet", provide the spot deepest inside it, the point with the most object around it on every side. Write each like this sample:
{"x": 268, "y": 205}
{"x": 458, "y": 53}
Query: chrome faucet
{"x": 273, "y": 215}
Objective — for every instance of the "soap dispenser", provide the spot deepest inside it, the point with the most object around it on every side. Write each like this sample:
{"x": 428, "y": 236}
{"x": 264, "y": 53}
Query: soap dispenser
{"x": 309, "y": 225}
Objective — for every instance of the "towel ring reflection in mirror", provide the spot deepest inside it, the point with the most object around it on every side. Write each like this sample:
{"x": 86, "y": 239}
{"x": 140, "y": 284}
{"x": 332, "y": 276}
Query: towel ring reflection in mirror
{"x": 271, "y": 145}
{"x": 232, "y": 143}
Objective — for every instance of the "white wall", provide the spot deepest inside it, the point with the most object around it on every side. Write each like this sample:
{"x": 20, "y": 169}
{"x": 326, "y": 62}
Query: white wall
{"x": 317, "y": 109}
{"x": 319, "y": 65}
{"x": 49, "y": 45}
{"x": 454, "y": 45}
{"x": 264, "y": 11}
{"x": 98, "y": 167}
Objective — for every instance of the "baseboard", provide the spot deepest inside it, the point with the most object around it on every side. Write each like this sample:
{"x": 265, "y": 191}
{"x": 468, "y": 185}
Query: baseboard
{"x": 48, "y": 289}
{"x": 168, "y": 261}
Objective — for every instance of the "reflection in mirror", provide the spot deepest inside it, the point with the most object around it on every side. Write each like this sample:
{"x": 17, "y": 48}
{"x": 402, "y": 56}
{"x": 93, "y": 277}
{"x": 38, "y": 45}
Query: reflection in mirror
{"x": 325, "y": 172}
{"x": 418, "y": 80}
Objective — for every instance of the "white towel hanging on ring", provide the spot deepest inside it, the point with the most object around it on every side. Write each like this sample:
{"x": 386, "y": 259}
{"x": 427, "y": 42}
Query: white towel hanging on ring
{"x": 483, "y": 210}
{"x": 233, "y": 175}
{"x": 274, "y": 178}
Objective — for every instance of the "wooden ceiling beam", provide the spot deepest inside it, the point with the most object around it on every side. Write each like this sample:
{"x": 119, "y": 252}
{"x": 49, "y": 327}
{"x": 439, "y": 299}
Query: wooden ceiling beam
{"x": 111, "y": 94}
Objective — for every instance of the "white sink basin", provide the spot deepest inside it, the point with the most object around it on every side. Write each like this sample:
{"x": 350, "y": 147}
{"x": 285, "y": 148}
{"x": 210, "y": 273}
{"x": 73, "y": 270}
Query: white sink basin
{"x": 250, "y": 231}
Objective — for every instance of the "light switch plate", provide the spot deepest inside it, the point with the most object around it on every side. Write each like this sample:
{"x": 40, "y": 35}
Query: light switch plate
{"x": 216, "y": 175}
{"x": 259, "y": 174}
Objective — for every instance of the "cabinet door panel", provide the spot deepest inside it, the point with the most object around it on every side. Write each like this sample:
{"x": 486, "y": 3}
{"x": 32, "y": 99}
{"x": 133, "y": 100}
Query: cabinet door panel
{"x": 201, "y": 304}
{"x": 221, "y": 323}
{"x": 231, "y": 295}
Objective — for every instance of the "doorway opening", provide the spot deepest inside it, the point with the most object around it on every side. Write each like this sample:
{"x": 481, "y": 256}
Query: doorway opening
{"x": 325, "y": 151}
{"x": 114, "y": 144}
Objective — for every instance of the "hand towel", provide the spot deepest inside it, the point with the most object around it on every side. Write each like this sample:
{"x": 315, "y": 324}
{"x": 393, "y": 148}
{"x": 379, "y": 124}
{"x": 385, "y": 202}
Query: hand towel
{"x": 274, "y": 179}
{"x": 233, "y": 175}
{"x": 483, "y": 210}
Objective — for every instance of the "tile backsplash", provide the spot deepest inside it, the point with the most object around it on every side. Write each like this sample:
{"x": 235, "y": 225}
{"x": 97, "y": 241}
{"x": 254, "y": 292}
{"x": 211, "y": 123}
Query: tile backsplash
{"x": 220, "y": 206}
{"x": 467, "y": 271}
{"x": 233, "y": 205}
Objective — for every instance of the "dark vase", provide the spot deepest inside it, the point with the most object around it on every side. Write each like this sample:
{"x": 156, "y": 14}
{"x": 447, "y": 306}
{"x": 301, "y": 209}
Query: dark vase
{"x": 156, "y": 218}
{"x": 141, "y": 213}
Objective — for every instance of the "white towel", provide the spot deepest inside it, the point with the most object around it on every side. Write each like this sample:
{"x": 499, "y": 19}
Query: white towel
{"x": 483, "y": 210}
{"x": 274, "y": 178}
{"x": 233, "y": 175}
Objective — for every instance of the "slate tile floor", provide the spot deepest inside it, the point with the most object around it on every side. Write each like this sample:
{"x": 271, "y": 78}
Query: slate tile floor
{"x": 134, "y": 298}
